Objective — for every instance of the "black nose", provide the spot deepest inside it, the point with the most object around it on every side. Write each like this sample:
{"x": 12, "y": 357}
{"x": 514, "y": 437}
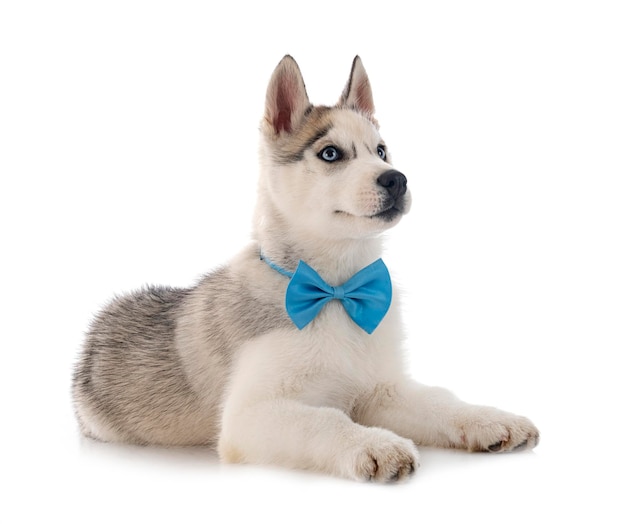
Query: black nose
{"x": 394, "y": 182}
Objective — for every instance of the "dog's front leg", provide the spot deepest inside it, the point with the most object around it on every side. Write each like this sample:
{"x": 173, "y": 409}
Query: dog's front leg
{"x": 435, "y": 417}
{"x": 266, "y": 420}
{"x": 292, "y": 434}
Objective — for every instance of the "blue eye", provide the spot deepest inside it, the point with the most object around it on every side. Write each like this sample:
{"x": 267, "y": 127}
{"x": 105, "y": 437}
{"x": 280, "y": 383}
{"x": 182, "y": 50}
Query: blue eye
{"x": 330, "y": 154}
{"x": 382, "y": 153}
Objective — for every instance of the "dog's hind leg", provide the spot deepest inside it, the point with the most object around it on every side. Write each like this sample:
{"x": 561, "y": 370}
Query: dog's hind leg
{"x": 435, "y": 417}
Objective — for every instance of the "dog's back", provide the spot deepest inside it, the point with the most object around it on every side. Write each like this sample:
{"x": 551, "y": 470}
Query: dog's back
{"x": 155, "y": 362}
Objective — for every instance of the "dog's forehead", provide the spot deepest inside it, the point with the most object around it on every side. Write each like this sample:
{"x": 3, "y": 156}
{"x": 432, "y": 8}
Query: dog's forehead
{"x": 348, "y": 124}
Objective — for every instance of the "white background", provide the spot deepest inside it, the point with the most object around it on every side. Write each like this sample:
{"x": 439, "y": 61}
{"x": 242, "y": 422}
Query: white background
{"x": 128, "y": 154}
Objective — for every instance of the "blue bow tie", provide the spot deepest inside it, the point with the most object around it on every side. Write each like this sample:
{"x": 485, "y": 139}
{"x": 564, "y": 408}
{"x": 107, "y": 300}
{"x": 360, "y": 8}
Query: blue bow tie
{"x": 366, "y": 296}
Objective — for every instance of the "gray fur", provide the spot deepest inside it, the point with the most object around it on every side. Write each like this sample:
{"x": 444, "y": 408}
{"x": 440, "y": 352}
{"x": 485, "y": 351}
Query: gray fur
{"x": 131, "y": 377}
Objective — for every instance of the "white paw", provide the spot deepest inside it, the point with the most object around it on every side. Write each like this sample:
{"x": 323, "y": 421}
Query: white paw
{"x": 382, "y": 456}
{"x": 490, "y": 429}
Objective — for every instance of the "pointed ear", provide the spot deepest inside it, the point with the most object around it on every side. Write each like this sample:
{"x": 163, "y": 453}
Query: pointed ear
{"x": 286, "y": 100}
{"x": 358, "y": 92}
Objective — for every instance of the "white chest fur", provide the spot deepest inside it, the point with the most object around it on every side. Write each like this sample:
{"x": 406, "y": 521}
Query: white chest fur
{"x": 329, "y": 363}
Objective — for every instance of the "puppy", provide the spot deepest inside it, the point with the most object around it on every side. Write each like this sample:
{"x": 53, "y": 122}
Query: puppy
{"x": 290, "y": 354}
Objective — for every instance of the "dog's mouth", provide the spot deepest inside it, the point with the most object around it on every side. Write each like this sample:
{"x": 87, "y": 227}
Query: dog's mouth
{"x": 391, "y": 210}
{"x": 387, "y": 215}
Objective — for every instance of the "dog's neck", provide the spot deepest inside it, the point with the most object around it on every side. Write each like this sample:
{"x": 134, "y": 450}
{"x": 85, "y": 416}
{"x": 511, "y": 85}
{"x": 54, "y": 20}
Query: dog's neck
{"x": 335, "y": 260}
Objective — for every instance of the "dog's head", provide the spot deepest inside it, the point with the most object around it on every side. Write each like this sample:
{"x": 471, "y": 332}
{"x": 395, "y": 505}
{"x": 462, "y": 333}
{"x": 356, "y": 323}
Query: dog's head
{"x": 327, "y": 170}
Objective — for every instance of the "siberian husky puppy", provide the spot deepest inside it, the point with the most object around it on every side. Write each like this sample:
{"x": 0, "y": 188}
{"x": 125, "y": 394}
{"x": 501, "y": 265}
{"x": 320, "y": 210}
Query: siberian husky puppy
{"x": 290, "y": 354}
